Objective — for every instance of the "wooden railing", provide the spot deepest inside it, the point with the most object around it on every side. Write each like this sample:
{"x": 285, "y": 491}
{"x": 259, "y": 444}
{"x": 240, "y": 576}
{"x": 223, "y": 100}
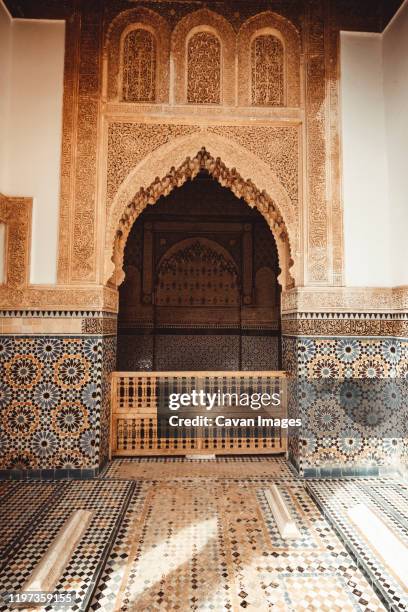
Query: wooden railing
{"x": 135, "y": 401}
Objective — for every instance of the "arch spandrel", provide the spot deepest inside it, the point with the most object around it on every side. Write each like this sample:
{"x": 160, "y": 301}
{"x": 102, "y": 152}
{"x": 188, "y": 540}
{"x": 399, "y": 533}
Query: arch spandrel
{"x": 228, "y": 163}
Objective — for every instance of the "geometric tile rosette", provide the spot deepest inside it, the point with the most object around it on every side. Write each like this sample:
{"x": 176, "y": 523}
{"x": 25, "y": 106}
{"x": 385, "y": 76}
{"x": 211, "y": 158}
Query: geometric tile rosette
{"x": 345, "y": 383}
{"x": 51, "y": 395}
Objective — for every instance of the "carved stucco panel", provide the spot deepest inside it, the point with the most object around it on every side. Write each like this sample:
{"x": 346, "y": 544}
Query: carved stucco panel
{"x": 116, "y": 30}
{"x": 65, "y": 298}
{"x": 15, "y": 213}
{"x": 204, "y": 69}
{"x": 318, "y": 263}
{"x": 346, "y": 299}
{"x": 272, "y": 23}
{"x": 204, "y": 20}
{"x": 174, "y": 154}
{"x": 77, "y": 236}
{"x": 267, "y": 71}
{"x": 276, "y": 146}
{"x": 69, "y": 134}
{"x": 336, "y": 213}
{"x": 130, "y": 143}
{"x": 139, "y": 66}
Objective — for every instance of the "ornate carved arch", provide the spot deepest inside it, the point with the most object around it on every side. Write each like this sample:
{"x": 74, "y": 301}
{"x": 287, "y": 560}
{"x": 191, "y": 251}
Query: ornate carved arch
{"x": 285, "y": 31}
{"x": 189, "y": 169}
{"x": 129, "y": 20}
{"x": 212, "y": 22}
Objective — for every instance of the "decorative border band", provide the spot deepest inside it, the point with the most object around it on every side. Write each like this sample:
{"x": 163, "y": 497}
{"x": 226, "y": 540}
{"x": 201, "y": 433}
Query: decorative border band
{"x": 345, "y": 327}
{"x": 346, "y": 299}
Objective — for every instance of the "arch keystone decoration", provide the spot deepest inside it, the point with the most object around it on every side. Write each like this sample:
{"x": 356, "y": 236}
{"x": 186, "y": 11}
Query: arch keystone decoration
{"x": 176, "y": 177}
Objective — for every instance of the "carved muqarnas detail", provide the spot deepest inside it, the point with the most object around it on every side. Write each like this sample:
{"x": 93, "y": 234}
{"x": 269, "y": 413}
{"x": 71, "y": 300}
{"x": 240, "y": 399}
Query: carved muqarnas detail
{"x": 227, "y": 178}
{"x": 267, "y": 61}
{"x": 139, "y": 67}
{"x": 204, "y": 69}
{"x": 197, "y": 273}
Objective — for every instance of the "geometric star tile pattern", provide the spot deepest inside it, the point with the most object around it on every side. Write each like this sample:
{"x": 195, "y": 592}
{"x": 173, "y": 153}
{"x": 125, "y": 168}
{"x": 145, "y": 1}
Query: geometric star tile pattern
{"x": 53, "y": 396}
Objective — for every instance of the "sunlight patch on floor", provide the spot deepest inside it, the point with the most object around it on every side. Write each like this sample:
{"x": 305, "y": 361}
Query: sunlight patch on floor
{"x": 380, "y": 537}
{"x": 161, "y": 561}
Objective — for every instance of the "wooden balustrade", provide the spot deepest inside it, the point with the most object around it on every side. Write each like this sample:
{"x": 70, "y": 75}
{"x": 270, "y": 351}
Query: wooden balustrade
{"x": 136, "y": 430}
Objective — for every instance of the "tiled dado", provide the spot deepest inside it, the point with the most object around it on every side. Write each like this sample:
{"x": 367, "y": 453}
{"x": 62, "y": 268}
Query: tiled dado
{"x": 332, "y": 443}
{"x": 54, "y": 404}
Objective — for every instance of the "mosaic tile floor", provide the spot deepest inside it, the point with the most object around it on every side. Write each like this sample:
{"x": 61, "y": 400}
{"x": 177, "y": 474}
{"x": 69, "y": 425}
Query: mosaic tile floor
{"x": 389, "y": 501}
{"x": 174, "y": 534}
{"x": 221, "y": 467}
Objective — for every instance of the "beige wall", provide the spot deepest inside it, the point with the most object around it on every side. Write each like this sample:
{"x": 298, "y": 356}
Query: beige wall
{"x": 32, "y": 144}
{"x": 374, "y": 91}
{"x": 395, "y": 61}
{"x": 5, "y": 65}
{"x": 365, "y": 177}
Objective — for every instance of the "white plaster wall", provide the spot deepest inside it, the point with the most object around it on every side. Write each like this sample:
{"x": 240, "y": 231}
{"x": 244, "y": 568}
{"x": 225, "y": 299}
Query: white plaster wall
{"x": 33, "y": 142}
{"x": 395, "y": 61}
{"x": 5, "y": 65}
{"x": 365, "y": 173}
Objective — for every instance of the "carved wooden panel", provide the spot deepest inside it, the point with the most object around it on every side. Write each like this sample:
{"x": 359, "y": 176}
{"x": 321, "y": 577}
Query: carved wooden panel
{"x": 267, "y": 71}
{"x": 197, "y": 272}
{"x": 204, "y": 69}
{"x": 138, "y": 429}
{"x": 139, "y": 66}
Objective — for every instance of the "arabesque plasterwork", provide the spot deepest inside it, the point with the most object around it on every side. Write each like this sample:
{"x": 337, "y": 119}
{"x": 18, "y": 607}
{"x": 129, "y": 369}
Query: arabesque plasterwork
{"x": 346, "y": 299}
{"x": 15, "y": 214}
{"x": 116, "y": 31}
{"x": 227, "y": 177}
{"x": 111, "y": 150}
{"x": 305, "y": 54}
{"x": 270, "y": 23}
{"x": 215, "y": 26}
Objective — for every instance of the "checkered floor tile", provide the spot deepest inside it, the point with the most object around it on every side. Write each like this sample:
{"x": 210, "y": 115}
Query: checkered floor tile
{"x": 176, "y": 534}
{"x": 389, "y": 501}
